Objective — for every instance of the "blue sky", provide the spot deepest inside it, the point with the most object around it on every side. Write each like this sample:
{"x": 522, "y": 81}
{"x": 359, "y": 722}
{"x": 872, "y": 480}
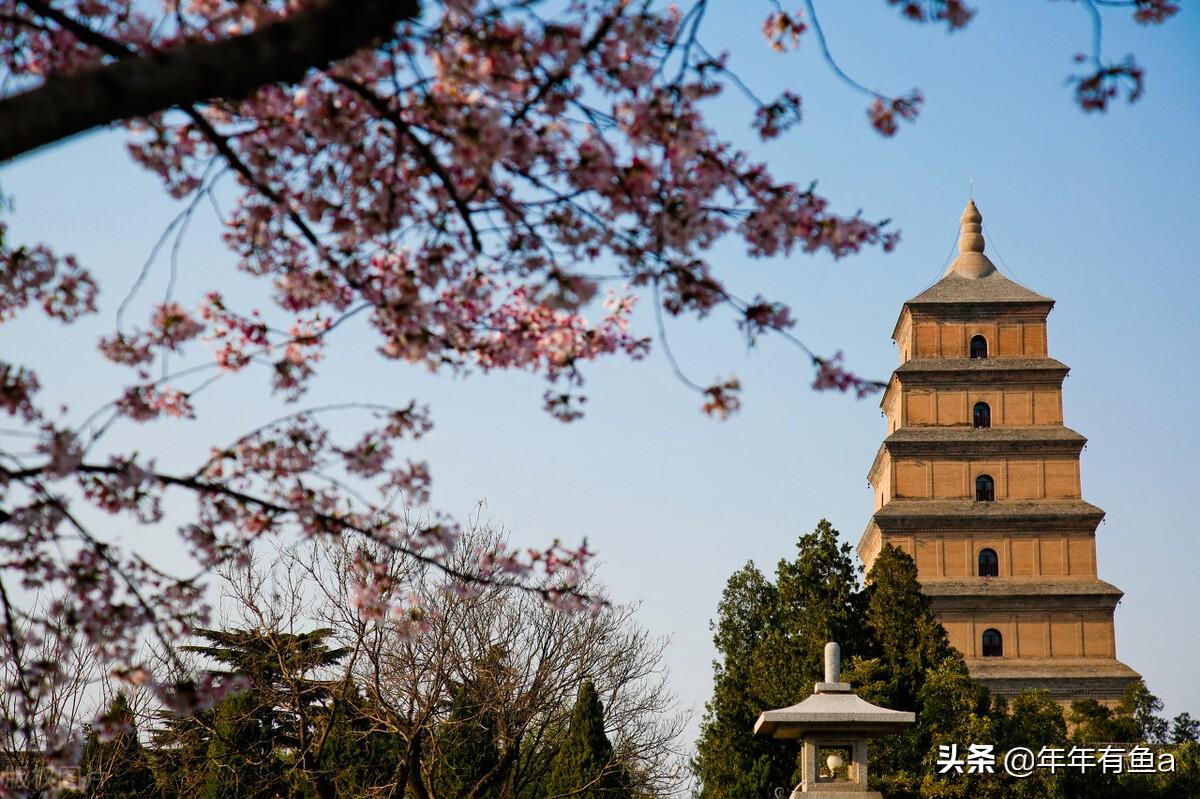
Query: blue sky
{"x": 1097, "y": 211}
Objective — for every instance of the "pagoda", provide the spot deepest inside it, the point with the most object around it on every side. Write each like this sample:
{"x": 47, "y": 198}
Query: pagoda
{"x": 978, "y": 480}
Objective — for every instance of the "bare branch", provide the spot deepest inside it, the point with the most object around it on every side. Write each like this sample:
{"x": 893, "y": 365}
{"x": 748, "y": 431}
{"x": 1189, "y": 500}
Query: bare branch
{"x": 232, "y": 68}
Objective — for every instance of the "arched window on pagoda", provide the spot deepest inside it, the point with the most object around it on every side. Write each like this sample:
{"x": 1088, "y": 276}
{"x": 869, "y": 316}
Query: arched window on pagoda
{"x": 989, "y": 564}
{"x": 978, "y": 347}
{"x": 983, "y": 415}
{"x": 993, "y": 644}
{"x": 985, "y": 488}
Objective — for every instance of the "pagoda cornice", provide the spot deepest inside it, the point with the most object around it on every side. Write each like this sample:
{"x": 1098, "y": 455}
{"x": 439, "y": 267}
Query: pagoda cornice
{"x": 988, "y": 369}
{"x": 959, "y": 442}
{"x": 965, "y": 516}
{"x": 992, "y": 586}
{"x": 950, "y": 607}
{"x": 968, "y": 372}
{"x": 942, "y": 310}
{"x": 1020, "y": 595}
{"x": 1064, "y": 672}
{"x": 930, "y": 515}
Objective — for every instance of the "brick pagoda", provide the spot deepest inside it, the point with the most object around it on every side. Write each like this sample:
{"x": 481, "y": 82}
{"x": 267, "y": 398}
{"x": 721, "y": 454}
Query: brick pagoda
{"x": 978, "y": 480}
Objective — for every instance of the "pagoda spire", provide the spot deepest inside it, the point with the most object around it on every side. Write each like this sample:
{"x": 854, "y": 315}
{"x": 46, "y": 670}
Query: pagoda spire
{"x": 971, "y": 262}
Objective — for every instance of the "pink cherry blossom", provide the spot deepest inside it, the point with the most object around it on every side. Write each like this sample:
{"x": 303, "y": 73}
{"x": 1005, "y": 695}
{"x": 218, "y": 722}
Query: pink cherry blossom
{"x": 461, "y": 190}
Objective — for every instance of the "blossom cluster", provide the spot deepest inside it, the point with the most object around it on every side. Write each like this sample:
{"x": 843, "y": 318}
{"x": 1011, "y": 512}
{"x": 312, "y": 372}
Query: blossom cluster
{"x": 464, "y": 188}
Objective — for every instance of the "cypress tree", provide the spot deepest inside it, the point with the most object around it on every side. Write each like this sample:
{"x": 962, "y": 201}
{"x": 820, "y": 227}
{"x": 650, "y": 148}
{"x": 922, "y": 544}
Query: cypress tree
{"x": 466, "y": 748}
{"x": 770, "y": 639}
{"x": 357, "y": 757}
{"x": 241, "y": 761}
{"x": 583, "y": 766}
{"x": 730, "y": 762}
{"x": 903, "y": 631}
{"x": 179, "y": 751}
{"x": 117, "y": 768}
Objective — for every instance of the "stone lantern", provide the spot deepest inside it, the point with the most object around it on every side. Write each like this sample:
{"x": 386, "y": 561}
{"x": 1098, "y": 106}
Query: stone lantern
{"x": 833, "y": 726}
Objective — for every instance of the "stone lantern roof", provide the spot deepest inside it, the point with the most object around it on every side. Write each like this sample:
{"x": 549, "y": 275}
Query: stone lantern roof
{"x": 832, "y": 708}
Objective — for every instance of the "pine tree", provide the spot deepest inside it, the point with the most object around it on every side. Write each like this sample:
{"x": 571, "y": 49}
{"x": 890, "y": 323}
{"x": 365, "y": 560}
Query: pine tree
{"x": 1143, "y": 707}
{"x": 817, "y": 602}
{"x": 730, "y": 762}
{"x": 265, "y": 739}
{"x": 1094, "y": 722}
{"x": 583, "y": 766}
{"x": 117, "y": 767}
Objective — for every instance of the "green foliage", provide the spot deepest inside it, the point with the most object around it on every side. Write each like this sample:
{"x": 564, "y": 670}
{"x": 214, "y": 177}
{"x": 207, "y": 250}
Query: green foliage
{"x": 1033, "y": 720}
{"x": 1094, "y": 722}
{"x": 904, "y": 632}
{"x": 1184, "y": 781}
{"x": 583, "y": 766}
{"x": 737, "y": 765}
{"x": 769, "y": 636}
{"x": 266, "y": 657}
{"x": 241, "y": 759}
{"x": 730, "y": 763}
{"x": 1143, "y": 707}
{"x": 179, "y": 752}
{"x": 266, "y": 740}
{"x": 466, "y": 749}
{"x": 1184, "y": 728}
{"x": 116, "y": 766}
{"x": 357, "y": 756}
{"x": 817, "y": 602}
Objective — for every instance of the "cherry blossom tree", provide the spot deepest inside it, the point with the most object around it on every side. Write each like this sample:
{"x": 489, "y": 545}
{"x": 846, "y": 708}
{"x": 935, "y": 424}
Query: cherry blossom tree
{"x": 453, "y": 172}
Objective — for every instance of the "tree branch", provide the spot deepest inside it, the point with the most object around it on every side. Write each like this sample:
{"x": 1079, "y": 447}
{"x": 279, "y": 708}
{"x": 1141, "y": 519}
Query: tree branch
{"x": 327, "y": 30}
{"x": 423, "y": 149}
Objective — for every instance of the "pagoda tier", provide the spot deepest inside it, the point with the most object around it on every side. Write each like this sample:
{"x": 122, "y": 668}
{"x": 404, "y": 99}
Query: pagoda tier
{"x": 978, "y": 480}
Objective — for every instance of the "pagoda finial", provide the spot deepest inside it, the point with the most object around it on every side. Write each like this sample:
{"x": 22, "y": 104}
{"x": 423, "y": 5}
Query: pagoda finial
{"x": 971, "y": 239}
{"x": 971, "y": 262}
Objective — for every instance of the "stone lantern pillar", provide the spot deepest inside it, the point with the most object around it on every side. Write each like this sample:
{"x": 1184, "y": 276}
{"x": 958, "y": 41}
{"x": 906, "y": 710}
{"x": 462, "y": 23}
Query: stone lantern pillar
{"x": 833, "y": 726}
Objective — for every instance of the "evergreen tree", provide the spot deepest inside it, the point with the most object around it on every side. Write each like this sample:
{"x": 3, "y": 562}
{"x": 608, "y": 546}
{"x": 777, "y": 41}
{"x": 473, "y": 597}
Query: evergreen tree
{"x": 768, "y": 638}
{"x": 771, "y": 639}
{"x": 1094, "y": 722}
{"x": 241, "y": 762}
{"x": 1033, "y": 720}
{"x": 466, "y": 749}
{"x": 955, "y": 710}
{"x": 1184, "y": 728}
{"x": 179, "y": 752}
{"x": 1143, "y": 707}
{"x": 265, "y": 740}
{"x": 730, "y": 762}
{"x": 903, "y": 631}
{"x": 116, "y": 766}
{"x": 357, "y": 757}
{"x": 817, "y": 601}
{"x": 583, "y": 766}
{"x": 1184, "y": 781}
